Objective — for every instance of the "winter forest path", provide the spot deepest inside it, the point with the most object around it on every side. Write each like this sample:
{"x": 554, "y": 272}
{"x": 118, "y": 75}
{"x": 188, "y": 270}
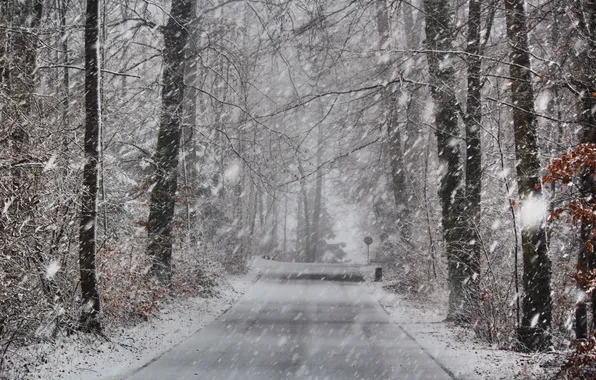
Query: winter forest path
{"x": 299, "y": 321}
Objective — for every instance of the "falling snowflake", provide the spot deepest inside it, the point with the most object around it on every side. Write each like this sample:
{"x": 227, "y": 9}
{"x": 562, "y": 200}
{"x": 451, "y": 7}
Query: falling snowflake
{"x": 534, "y": 320}
{"x": 52, "y": 269}
{"x": 533, "y": 212}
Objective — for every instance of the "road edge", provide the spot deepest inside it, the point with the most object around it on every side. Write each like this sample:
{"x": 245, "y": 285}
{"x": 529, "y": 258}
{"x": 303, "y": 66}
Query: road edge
{"x": 128, "y": 374}
{"x": 411, "y": 336}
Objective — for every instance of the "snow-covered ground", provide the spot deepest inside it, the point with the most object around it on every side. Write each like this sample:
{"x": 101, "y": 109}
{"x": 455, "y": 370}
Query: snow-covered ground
{"x": 453, "y": 347}
{"x": 78, "y": 357}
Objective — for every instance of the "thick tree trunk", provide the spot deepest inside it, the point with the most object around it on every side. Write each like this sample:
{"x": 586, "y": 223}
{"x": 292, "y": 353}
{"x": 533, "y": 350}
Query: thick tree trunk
{"x": 536, "y": 304}
{"x": 585, "y": 74}
{"x": 586, "y": 260}
{"x": 165, "y": 180}
{"x": 21, "y": 233}
{"x": 89, "y": 320}
{"x": 18, "y": 51}
{"x": 473, "y": 144}
{"x": 583, "y": 265}
{"x": 439, "y": 36}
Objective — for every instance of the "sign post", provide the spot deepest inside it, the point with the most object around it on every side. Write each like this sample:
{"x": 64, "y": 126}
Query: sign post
{"x": 368, "y": 241}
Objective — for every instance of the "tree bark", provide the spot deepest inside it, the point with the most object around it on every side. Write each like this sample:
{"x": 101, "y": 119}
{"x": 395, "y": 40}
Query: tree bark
{"x": 285, "y": 244}
{"x": 585, "y": 74}
{"x": 395, "y": 153}
{"x": 18, "y": 51}
{"x": 274, "y": 245}
{"x": 299, "y": 228}
{"x": 165, "y": 179}
{"x": 536, "y": 303}
{"x": 316, "y": 217}
{"x": 440, "y": 35}
{"x": 89, "y": 319}
{"x": 413, "y": 33}
{"x": 394, "y": 139}
{"x": 473, "y": 160}
{"x": 189, "y": 147}
{"x": 303, "y": 194}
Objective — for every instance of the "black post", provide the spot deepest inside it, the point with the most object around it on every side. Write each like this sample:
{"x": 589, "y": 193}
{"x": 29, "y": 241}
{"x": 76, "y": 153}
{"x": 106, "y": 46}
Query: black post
{"x": 378, "y": 274}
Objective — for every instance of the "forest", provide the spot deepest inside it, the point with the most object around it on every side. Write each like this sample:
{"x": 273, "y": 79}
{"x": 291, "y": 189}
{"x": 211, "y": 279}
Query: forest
{"x": 148, "y": 148}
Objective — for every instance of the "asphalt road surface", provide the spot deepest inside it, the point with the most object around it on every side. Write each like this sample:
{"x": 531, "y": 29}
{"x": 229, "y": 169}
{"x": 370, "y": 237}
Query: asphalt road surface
{"x": 299, "y": 321}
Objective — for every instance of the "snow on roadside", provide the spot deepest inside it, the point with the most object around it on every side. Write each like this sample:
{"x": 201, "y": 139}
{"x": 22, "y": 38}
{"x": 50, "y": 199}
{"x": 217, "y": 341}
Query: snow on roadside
{"x": 455, "y": 348}
{"x": 79, "y": 357}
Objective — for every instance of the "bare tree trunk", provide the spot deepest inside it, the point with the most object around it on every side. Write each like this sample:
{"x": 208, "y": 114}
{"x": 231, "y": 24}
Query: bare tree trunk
{"x": 584, "y": 72}
{"x": 307, "y": 240}
{"x": 285, "y": 247}
{"x": 586, "y": 260}
{"x": 89, "y": 320}
{"x": 190, "y": 160}
{"x": 259, "y": 210}
{"x": 316, "y": 217}
{"x": 18, "y": 53}
{"x": 274, "y": 225}
{"x": 536, "y": 303}
{"x": 299, "y": 228}
{"x": 413, "y": 33}
{"x": 163, "y": 194}
{"x": 65, "y": 73}
{"x": 439, "y": 36}
{"x": 253, "y": 217}
{"x": 394, "y": 138}
{"x": 432, "y": 249}
{"x": 473, "y": 160}
{"x": 583, "y": 265}
{"x": 303, "y": 194}
{"x": 20, "y": 228}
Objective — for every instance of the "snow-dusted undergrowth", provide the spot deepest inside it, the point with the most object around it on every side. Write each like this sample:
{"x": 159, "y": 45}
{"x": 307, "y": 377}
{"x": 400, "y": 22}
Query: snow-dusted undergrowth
{"x": 455, "y": 348}
{"x": 90, "y": 357}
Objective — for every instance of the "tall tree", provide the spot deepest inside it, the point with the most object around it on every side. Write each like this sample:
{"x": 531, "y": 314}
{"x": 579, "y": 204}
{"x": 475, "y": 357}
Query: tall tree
{"x": 394, "y": 139}
{"x": 18, "y": 50}
{"x": 584, "y": 74}
{"x": 20, "y": 176}
{"x": 306, "y": 221}
{"x": 585, "y": 65}
{"x": 536, "y": 303}
{"x": 440, "y": 35}
{"x": 165, "y": 178}
{"x": 316, "y": 217}
{"x": 18, "y": 74}
{"x": 412, "y": 30}
{"x": 585, "y": 258}
{"x": 89, "y": 320}
{"x": 473, "y": 123}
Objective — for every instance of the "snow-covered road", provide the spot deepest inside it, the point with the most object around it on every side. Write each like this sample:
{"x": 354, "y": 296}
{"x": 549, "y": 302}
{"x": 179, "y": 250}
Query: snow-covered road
{"x": 299, "y": 321}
